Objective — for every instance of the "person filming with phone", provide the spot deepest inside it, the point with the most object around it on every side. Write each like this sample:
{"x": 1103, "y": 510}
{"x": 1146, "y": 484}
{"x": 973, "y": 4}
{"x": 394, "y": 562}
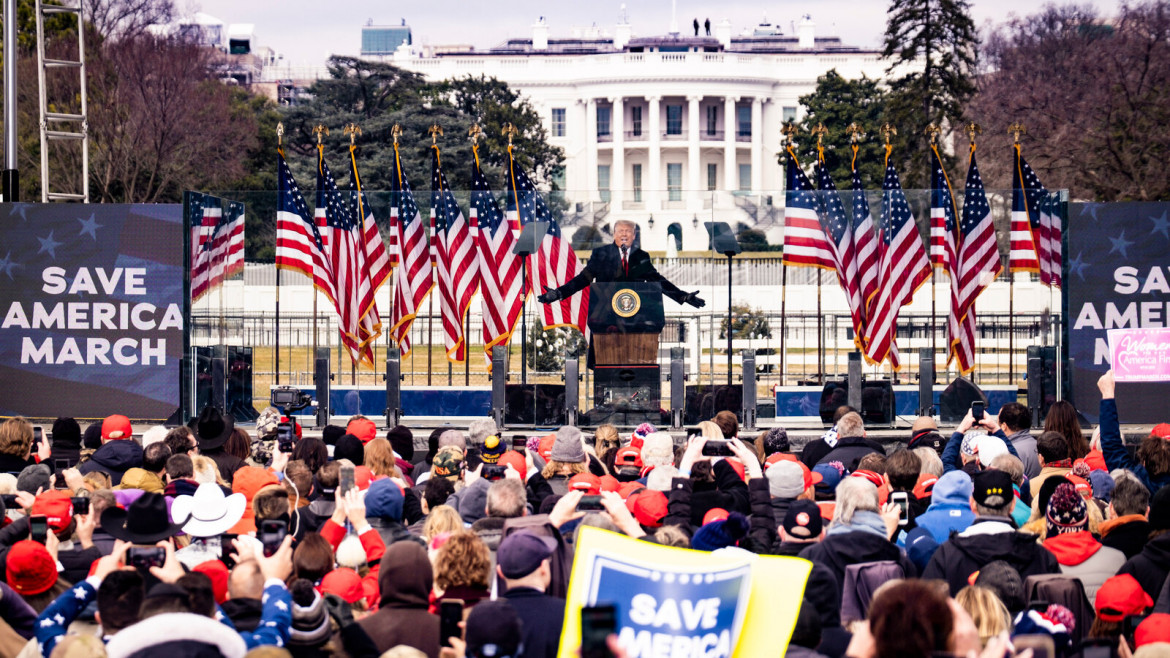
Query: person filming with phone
{"x": 978, "y": 447}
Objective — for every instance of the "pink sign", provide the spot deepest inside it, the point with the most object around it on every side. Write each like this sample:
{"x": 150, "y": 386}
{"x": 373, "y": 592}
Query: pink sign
{"x": 1140, "y": 355}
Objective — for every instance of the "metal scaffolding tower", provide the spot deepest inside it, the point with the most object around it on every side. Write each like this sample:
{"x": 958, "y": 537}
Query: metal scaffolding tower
{"x": 62, "y": 126}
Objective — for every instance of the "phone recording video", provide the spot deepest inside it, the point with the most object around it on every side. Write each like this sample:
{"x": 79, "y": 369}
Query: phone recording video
{"x": 38, "y": 528}
{"x": 977, "y": 409}
{"x": 717, "y": 448}
{"x": 286, "y": 437}
{"x": 902, "y": 500}
{"x": 345, "y": 481}
{"x": 271, "y": 535}
{"x": 590, "y": 504}
{"x": 145, "y": 557}
{"x": 59, "y": 466}
{"x": 493, "y": 472}
{"x": 450, "y": 614}
{"x": 520, "y": 443}
{"x": 597, "y": 624}
{"x": 80, "y": 505}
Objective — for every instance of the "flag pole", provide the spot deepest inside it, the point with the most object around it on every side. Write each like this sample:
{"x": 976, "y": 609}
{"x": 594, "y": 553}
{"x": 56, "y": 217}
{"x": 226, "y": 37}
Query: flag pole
{"x": 1016, "y": 129}
{"x": 474, "y": 133}
{"x": 276, "y": 361}
{"x": 435, "y": 130}
{"x": 820, "y": 131}
{"x": 395, "y": 133}
{"x": 933, "y": 131}
{"x": 320, "y": 131}
{"x": 788, "y": 131}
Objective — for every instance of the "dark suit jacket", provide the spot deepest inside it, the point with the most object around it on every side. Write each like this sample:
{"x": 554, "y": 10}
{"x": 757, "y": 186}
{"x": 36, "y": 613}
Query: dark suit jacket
{"x": 605, "y": 264}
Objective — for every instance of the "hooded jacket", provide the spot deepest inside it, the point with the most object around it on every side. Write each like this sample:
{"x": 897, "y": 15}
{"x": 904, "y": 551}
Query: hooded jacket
{"x": 1116, "y": 456}
{"x": 965, "y": 553}
{"x": 177, "y": 634}
{"x": 405, "y": 582}
{"x": 850, "y": 450}
{"x": 841, "y": 550}
{"x": 114, "y": 458}
{"x": 1151, "y": 566}
{"x": 1081, "y": 556}
{"x": 1127, "y": 534}
{"x": 950, "y": 507}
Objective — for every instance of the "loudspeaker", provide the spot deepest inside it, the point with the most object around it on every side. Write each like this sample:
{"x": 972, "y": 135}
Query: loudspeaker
{"x": 925, "y": 382}
{"x": 877, "y": 401}
{"x": 321, "y": 379}
{"x": 499, "y": 379}
{"x": 627, "y": 388}
{"x": 219, "y": 383}
{"x": 678, "y": 387}
{"x": 748, "y": 417}
{"x": 854, "y": 392}
{"x": 1042, "y": 385}
{"x": 572, "y": 390}
{"x": 955, "y": 400}
{"x": 393, "y": 380}
{"x": 239, "y": 385}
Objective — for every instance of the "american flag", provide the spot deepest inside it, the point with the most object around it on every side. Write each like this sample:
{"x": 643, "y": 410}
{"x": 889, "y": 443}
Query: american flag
{"x": 839, "y": 230}
{"x": 805, "y": 242}
{"x": 359, "y": 322}
{"x": 1050, "y": 249}
{"x": 1027, "y": 193}
{"x": 205, "y": 213}
{"x": 942, "y": 217}
{"x": 377, "y": 259}
{"x": 903, "y": 269}
{"x": 412, "y": 276}
{"x": 458, "y": 264}
{"x": 978, "y": 264}
{"x": 866, "y": 241}
{"x": 499, "y": 268}
{"x": 555, "y": 262}
{"x": 299, "y": 246}
{"x": 227, "y": 250}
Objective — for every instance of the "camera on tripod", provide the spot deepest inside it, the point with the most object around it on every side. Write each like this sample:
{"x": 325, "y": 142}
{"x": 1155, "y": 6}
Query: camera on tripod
{"x": 291, "y": 399}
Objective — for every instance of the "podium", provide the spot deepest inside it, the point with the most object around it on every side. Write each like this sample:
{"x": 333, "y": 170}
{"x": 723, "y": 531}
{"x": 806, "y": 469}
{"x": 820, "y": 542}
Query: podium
{"x": 625, "y": 319}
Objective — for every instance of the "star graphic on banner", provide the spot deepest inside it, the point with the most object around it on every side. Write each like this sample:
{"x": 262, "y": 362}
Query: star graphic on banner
{"x": 89, "y": 226}
{"x": 7, "y": 264}
{"x": 50, "y": 245}
{"x": 21, "y": 208}
{"x": 1077, "y": 266}
{"x": 1120, "y": 245}
{"x": 1161, "y": 225}
{"x": 1092, "y": 209}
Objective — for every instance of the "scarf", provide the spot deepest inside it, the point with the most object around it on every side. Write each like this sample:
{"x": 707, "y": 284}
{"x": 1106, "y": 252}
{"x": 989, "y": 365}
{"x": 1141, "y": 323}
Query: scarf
{"x": 863, "y": 521}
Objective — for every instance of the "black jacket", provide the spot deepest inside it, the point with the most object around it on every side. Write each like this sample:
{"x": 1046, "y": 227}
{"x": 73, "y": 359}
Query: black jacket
{"x": 605, "y": 264}
{"x": 541, "y": 617}
{"x": 960, "y": 556}
{"x": 244, "y": 613}
{"x": 813, "y": 451}
{"x": 76, "y": 561}
{"x": 1129, "y": 538}
{"x": 839, "y": 551}
{"x": 850, "y": 450}
{"x": 1151, "y": 566}
{"x": 14, "y": 465}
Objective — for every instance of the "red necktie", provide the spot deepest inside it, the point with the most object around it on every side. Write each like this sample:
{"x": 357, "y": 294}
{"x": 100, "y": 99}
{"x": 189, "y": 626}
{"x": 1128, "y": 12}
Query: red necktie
{"x": 625, "y": 265}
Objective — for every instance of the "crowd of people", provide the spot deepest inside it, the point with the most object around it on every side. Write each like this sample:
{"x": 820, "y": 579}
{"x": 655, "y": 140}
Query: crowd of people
{"x": 208, "y": 540}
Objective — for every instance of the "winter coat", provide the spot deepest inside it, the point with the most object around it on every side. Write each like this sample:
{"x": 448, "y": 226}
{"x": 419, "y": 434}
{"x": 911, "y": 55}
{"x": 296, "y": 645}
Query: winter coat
{"x": 813, "y": 452}
{"x": 374, "y": 548}
{"x": 541, "y": 619}
{"x": 1127, "y": 534}
{"x": 1081, "y": 556}
{"x": 839, "y": 551}
{"x": 1045, "y": 473}
{"x": 244, "y": 613}
{"x": 14, "y": 465}
{"x": 177, "y": 634}
{"x": 405, "y": 582}
{"x": 491, "y": 531}
{"x": 950, "y": 508}
{"x": 227, "y": 463}
{"x": 969, "y": 551}
{"x": 850, "y": 450}
{"x": 1025, "y": 445}
{"x": 392, "y": 531}
{"x": 1116, "y": 456}
{"x": 114, "y": 458}
{"x": 1151, "y": 566}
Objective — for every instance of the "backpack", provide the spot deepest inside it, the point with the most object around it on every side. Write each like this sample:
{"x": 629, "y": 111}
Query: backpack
{"x": 1066, "y": 591}
{"x": 861, "y": 581}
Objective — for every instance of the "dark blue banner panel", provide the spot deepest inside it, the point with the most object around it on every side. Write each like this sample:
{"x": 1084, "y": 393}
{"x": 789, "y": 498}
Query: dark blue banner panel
{"x": 92, "y": 304}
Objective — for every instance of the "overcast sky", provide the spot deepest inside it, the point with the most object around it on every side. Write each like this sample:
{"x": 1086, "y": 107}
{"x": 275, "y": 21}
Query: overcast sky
{"x": 306, "y": 32}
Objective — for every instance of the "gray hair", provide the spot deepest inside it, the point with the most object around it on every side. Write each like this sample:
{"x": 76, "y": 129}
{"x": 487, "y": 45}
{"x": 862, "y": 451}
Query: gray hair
{"x": 1011, "y": 465}
{"x": 854, "y": 495}
{"x": 931, "y": 462}
{"x": 850, "y": 425}
{"x": 627, "y": 222}
{"x": 506, "y": 499}
{"x": 453, "y": 438}
{"x": 479, "y": 430}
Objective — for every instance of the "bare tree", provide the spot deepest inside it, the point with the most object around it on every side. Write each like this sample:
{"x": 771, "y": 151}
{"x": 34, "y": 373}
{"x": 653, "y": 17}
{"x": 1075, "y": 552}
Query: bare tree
{"x": 117, "y": 19}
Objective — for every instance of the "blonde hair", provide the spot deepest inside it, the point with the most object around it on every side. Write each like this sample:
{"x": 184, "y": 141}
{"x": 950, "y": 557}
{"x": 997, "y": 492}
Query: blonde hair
{"x": 555, "y": 468}
{"x": 16, "y": 437}
{"x": 443, "y": 518}
{"x": 990, "y": 615}
{"x": 605, "y": 439}
{"x": 710, "y": 430}
{"x": 379, "y": 457}
{"x": 207, "y": 471}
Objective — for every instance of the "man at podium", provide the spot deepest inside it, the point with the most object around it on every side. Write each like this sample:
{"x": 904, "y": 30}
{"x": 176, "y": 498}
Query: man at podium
{"x": 620, "y": 261}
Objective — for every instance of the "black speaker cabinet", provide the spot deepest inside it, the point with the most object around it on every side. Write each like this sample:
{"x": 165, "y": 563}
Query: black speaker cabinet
{"x": 877, "y": 401}
{"x": 535, "y": 404}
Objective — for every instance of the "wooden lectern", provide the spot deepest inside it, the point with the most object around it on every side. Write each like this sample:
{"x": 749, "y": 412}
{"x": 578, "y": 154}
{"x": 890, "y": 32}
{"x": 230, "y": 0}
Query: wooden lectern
{"x": 626, "y": 319}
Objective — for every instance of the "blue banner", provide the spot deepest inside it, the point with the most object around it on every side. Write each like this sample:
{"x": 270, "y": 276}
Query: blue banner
{"x": 1117, "y": 278}
{"x": 93, "y": 309}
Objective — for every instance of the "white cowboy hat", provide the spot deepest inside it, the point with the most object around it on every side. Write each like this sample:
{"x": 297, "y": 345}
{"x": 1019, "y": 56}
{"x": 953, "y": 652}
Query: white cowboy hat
{"x": 208, "y": 513}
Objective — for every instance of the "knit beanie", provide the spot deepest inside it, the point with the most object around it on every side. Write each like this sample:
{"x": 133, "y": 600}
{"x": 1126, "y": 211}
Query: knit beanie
{"x": 350, "y": 447}
{"x": 266, "y": 424}
{"x": 720, "y": 534}
{"x": 331, "y": 433}
{"x": 33, "y": 478}
{"x": 776, "y": 440}
{"x": 402, "y": 440}
{"x": 92, "y": 439}
{"x": 568, "y": 447}
{"x": 66, "y": 433}
{"x": 1066, "y": 511}
{"x": 310, "y": 622}
{"x": 638, "y": 437}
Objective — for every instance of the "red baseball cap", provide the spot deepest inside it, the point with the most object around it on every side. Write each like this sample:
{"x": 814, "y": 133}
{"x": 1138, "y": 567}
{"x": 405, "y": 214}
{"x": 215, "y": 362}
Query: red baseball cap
{"x": 1161, "y": 430}
{"x": 587, "y": 483}
{"x": 1120, "y": 597}
{"x": 1155, "y": 628}
{"x": 344, "y": 582}
{"x": 1083, "y": 487}
{"x": 516, "y": 461}
{"x": 610, "y": 483}
{"x": 628, "y": 456}
{"x": 779, "y": 457}
{"x": 628, "y": 489}
{"x": 714, "y": 514}
{"x": 871, "y": 476}
{"x": 362, "y": 428}
{"x": 218, "y": 573}
{"x": 545, "y": 447}
{"x": 738, "y": 467}
{"x": 30, "y": 568}
{"x": 362, "y": 477}
{"x": 55, "y": 505}
{"x": 116, "y": 427}
{"x": 649, "y": 507}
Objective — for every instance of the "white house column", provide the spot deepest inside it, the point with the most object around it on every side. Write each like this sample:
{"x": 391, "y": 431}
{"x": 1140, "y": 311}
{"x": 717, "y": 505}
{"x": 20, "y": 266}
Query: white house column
{"x": 617, "y": 170}
{"x": 729, "y": 169}
{"x": 591, "y": 148}
{"x": 653, "y": 184}
{"x": 693, "y": 185}
{"x": 757, "y": 145}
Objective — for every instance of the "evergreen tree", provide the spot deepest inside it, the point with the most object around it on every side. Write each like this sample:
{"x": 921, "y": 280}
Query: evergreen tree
{"x": 836, "y": 103}
{"x": 930, "y": 47}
